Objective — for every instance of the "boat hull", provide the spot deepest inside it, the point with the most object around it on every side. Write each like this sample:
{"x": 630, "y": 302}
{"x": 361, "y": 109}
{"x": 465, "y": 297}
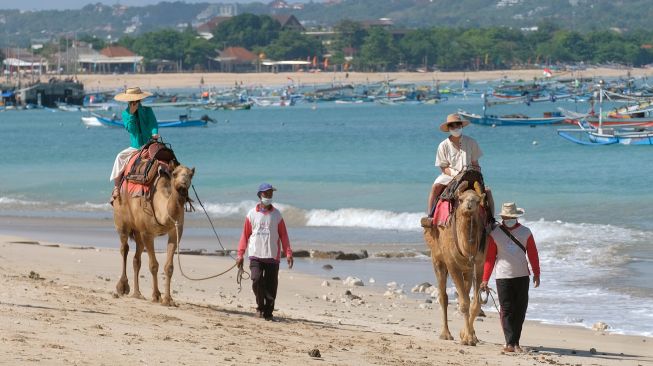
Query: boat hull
{"x": 508, "y": 121}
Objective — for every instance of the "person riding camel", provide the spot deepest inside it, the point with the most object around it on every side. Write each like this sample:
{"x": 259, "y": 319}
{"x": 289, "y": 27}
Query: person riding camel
{"x": 142, "y": 126}
{"x": 455, "y": 154}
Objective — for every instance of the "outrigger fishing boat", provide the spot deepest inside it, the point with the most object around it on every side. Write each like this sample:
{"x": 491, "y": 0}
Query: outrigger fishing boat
{"x": 96, "y": 120}
{"x": 513, "y": 119}
{"x": 587, "y": 134}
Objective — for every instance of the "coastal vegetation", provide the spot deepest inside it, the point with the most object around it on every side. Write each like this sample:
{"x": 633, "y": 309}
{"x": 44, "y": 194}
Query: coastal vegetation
{"x": 381, "y": 49}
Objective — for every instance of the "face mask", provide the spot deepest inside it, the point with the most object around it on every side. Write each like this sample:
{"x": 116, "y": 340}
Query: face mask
{"x": 266, "y": 201}
{"x": 456, "y": 133}
{"x": 509, "y": 222}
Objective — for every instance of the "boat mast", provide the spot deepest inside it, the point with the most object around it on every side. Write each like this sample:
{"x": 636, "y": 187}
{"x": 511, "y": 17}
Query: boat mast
{"x": 601, "y": 83}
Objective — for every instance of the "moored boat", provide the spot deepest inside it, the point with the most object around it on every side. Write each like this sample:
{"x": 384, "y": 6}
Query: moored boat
{"x": 512, "y": 120}
{"x": 182, "y": 121}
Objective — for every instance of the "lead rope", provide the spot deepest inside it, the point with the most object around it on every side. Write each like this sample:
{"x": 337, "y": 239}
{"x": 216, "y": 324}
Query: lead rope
{"x": 241, "y": 271}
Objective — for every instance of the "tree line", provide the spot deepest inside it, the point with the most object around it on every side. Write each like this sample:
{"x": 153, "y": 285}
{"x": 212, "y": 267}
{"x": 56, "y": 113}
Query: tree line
{"x": 354, "y": 47}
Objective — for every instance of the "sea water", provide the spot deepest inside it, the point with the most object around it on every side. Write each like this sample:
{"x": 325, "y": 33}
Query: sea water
{"x": 357, "y": 177}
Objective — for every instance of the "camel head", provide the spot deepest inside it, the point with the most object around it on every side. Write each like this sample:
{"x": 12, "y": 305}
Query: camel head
{"x": 469, "y": 201}
{"x": 182, "y": 178}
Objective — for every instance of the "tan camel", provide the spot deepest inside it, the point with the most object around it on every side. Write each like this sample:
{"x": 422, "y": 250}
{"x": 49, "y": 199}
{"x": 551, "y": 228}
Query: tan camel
{"x": 456, "y": 250}
{"x": 141, "y": 220}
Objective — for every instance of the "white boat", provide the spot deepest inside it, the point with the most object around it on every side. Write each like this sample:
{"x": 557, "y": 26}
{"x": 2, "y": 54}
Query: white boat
{"x": 91, "y": 121}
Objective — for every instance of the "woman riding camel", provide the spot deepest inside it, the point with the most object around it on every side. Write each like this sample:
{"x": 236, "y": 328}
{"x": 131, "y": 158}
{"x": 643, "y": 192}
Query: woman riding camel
{"x": 142, "y": 126}
{"x": 454, "y": 154}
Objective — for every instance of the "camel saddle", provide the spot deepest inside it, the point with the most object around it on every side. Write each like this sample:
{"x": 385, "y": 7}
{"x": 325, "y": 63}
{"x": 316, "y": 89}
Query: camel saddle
{"x": 145, "y": 165}
{"x": 471, "y": 176}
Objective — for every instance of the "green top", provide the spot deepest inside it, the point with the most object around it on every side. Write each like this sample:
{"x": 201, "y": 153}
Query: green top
{"x": 140, "y": 125}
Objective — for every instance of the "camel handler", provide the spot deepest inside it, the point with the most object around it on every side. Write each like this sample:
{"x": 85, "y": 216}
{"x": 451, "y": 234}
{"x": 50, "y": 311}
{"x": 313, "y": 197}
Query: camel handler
{"x": 264, "y": 235}
{"x": 454, "y": 154}
{"x": 142, "y": 126}
{"x": 509, "y": 246}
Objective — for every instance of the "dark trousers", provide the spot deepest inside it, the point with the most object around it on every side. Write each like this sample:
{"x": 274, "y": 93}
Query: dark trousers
{"x": 264, "y": 284}
{"x": 513, "y": 297}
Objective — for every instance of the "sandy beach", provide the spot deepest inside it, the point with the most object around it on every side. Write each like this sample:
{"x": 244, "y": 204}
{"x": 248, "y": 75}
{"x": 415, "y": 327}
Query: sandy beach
{"x": 58, "y": 306}
{"x": 194, "y": 80}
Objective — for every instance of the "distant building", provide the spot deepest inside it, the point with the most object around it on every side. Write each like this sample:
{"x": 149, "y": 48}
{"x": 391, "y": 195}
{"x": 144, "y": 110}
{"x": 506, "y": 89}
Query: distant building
{"x": 112, "y": 59}
{"x": 237, "y": 59}
{"x": 289, "y": 22}
{"x": 24, "y": 62}
{"x": 205, "y": 30}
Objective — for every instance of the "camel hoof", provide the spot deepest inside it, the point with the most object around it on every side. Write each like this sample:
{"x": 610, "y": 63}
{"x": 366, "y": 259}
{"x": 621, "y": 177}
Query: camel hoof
{"x": 122, "y": 288}
{"x": 138, "y": 295}
{"x": 156, "y": 297}
{"x": 167, "y": 301}
{"x": 446, "y": 337}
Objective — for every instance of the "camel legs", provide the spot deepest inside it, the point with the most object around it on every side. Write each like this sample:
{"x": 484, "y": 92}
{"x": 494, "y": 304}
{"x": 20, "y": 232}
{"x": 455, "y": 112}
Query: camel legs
{"x": 441, "y": 273}
{"x": 169, "y": 267}
{"x": 462, "y": 286}
{"x": 476, "y": 304}
{"x": 137, "y": 267}
{"x": 154, "y": 267}
{"x": 122, "y": 287}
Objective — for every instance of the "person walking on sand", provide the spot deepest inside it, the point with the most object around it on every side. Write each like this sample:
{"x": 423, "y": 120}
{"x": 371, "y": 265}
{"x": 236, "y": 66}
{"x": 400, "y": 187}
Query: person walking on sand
{"x": 264, "y": 236}
{"x": 510, "y": 245}
{"x": 142, "y": 126}
{"x": 454, "y": 154}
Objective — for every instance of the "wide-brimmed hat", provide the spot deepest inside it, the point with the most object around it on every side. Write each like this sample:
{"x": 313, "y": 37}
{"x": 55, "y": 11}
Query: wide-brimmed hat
{"x": 509, "y": 209}
{"x": 453, "y": 118}
{"x": 265, "y": 187}
{"x": 132, "y": 95}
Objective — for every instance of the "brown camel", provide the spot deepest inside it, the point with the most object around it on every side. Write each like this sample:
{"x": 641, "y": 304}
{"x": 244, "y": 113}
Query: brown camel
{"x": 457, "y": 250}
{"x": 144, "y": 220}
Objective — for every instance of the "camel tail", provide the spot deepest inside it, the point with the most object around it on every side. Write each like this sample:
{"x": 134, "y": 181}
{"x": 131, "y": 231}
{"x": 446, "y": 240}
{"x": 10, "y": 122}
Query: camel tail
{"x": 132, "y": 235}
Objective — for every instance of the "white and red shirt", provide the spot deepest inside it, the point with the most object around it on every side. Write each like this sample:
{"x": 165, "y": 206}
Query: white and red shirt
{"x": 264, "y": 234}
{"x": 510, "y": 259}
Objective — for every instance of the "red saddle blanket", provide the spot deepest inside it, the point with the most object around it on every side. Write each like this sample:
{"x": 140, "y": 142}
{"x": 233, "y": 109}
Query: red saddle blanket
{"x": 135, "y": 188}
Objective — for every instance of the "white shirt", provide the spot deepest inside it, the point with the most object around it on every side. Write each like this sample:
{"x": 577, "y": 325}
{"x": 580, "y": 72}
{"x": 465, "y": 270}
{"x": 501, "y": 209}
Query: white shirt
{"x": 455, "y": 157}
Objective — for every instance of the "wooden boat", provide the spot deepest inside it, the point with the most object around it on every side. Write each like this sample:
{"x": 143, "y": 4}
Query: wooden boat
{"x": 587, "y": 134}
{"x": 590, "y": 135}
{"x": 511, "y": 120}
{"x": 183, "y": 121}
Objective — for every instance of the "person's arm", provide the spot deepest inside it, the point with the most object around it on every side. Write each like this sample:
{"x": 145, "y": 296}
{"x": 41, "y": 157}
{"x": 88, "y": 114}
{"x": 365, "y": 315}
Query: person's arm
{"x": 244, "y": 238}
{"x": 285, "y": 242}
{"x": 153, "y": 125}
{"x": 130, "y": 121}
{"x": 533, "y": 259}
{"x": 490, "y": 259}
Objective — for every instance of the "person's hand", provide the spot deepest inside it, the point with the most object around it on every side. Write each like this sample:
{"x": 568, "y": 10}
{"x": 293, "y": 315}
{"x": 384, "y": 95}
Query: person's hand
{"x": 484, "y": 286}
{"x": 239, "y": 262}
{"x": 290, "y": 262}
{"x": 536, "y": 281}
{"x": 133, "y": 107}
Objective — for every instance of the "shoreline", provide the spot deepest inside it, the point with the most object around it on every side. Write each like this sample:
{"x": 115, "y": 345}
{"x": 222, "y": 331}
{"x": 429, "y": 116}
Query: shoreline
{"x": 68, "y": 295}
{"x": 214, "y": 79}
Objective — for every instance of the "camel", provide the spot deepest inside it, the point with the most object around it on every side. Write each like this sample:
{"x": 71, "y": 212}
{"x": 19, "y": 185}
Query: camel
{"x": 458, "y": 250}
{"x": 143, "y": 220}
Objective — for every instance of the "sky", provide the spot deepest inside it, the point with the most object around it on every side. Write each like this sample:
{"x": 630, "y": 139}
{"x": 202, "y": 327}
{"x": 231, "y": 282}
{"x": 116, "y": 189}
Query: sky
{"x": 77, "y": 4}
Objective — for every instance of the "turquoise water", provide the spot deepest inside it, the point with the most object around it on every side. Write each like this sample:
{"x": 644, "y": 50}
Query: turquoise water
{"x": 359, "y": 174}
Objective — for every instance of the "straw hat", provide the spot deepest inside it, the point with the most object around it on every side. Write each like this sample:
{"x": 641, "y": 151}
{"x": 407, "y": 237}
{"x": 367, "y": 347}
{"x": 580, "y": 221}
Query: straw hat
{"x": 453, "y": 118}
{"x": 509, "y": 209}
{"x": 132, "y": 95}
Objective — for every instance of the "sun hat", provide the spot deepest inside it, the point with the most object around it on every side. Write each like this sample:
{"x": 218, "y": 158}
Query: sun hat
{"x": 509, "y": 209}
{"x": 132, "y": 95}
{"x": 453, "y": 118}
{"x": 265, "y": 187}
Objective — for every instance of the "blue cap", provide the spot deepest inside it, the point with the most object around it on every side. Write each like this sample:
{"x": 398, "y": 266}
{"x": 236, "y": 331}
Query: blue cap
{"x": 265, "y": 187}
